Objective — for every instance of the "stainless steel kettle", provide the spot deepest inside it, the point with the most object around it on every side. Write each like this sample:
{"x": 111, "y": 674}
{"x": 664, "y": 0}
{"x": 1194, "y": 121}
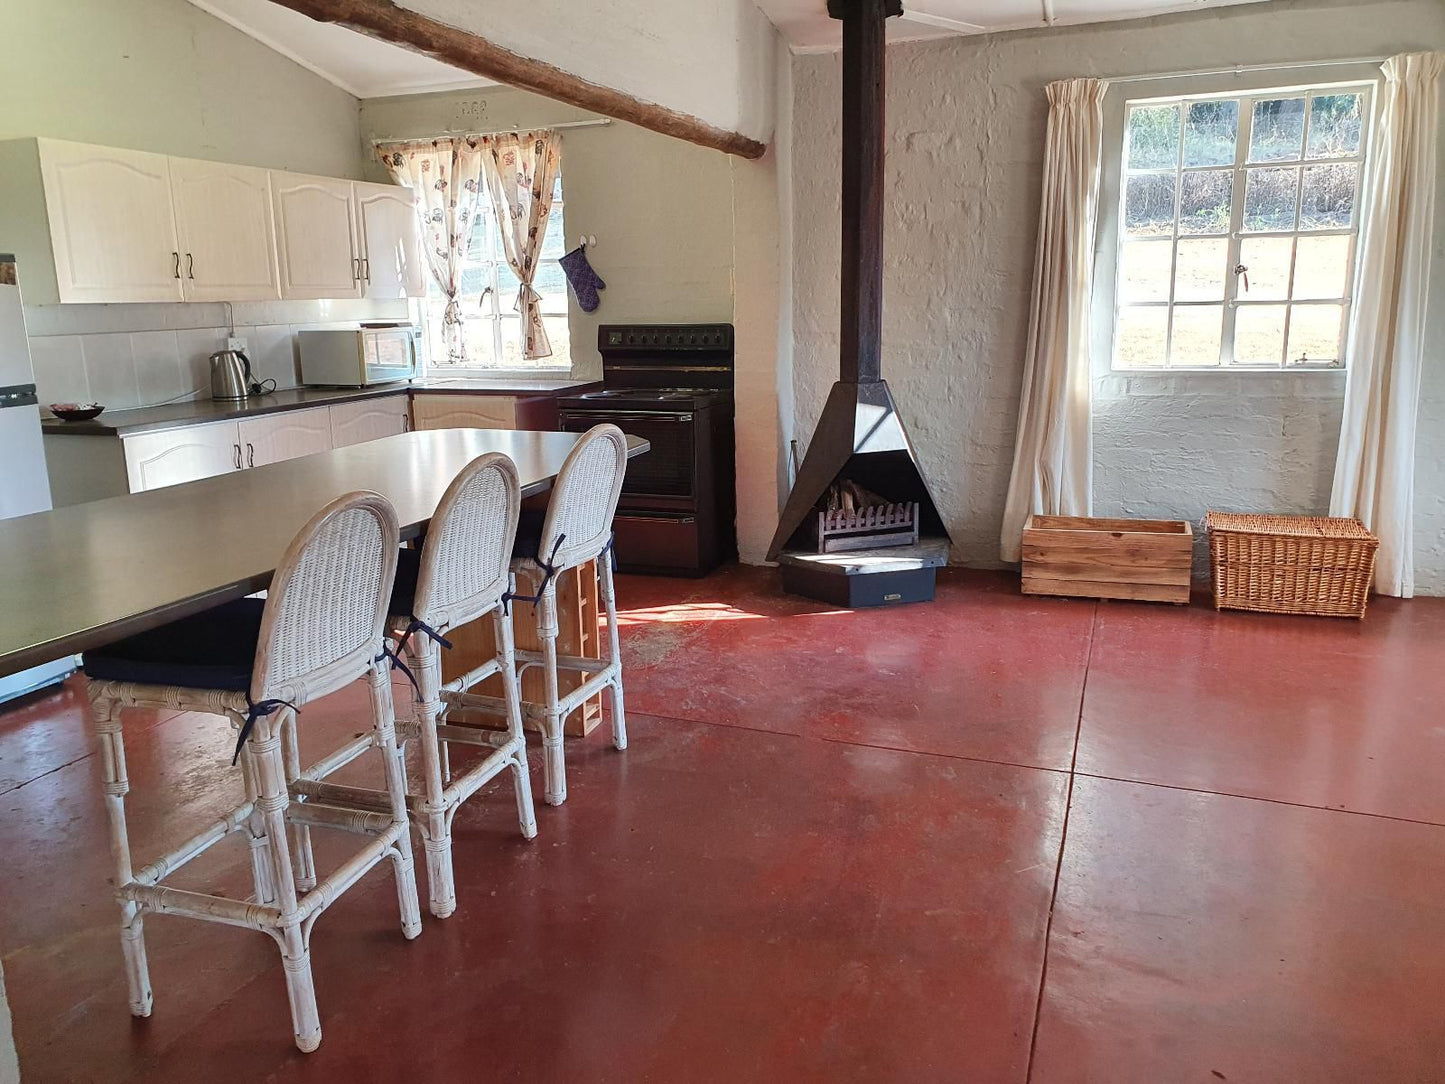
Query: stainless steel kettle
{"x": 231, "y": 376}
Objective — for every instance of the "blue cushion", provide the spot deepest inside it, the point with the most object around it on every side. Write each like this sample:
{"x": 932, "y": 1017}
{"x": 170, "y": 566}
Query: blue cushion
{"x": 214, "y": 649}
{"x": 529, "y": 533}
{"x": 403, "y": 592}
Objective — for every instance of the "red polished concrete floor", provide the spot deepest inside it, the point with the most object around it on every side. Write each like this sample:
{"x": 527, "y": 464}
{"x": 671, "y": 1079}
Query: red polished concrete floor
{"x": 989, "y": 839}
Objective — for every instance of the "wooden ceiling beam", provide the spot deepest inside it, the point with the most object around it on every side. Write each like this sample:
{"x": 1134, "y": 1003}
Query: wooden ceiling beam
{"x": 387, "y": 21}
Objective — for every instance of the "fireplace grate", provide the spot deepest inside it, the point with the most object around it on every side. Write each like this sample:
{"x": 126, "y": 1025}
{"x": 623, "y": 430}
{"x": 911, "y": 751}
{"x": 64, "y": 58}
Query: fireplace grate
{"x": 871, "y": 527}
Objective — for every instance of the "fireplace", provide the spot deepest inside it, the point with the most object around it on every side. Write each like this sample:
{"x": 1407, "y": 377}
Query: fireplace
{"x": 860, "y": 440}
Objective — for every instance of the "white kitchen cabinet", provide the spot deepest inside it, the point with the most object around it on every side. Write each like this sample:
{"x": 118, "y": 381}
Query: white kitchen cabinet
{"x": 289, "y": 434}
{"x": 316, "y": 237}
{"x": 173, "y": 456}
{"x": 369, "y": 419}
{"x": 112, "y": 233}
{"x": 392, "y": 262}
{"x": 225, "y": 231}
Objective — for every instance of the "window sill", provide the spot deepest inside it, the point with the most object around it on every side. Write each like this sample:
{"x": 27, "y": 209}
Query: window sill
{"x": 1228, "y": 383}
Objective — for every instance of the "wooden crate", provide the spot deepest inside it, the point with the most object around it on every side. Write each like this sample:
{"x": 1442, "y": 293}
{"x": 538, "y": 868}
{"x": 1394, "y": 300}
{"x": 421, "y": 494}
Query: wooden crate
{"x": 578, "y": 634}
{"x": 1087, "y": 557}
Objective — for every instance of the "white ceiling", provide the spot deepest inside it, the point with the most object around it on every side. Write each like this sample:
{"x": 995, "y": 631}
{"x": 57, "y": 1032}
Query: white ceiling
{"x": 362, "y": 66}
{"x": 806, "y": 26}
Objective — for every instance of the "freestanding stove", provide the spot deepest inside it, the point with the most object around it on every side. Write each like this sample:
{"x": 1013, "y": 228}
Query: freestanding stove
{"x": 671, "y": 384}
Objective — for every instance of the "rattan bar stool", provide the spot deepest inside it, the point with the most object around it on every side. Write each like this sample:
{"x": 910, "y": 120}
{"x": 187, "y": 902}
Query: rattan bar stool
{"x": 256, "y": 663}
{"x": 460, "y": 575}
{"x": 577, "y": 528}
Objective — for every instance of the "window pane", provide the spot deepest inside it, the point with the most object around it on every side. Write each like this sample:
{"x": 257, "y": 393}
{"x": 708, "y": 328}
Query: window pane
{"x": 481, "y": 347}
{"x": 1322, "y": 267}
{"x": 552, "y": 285}
{"x": 1335, "y": 125}
{"x": 560, "y": 336}
{"x": 1197, "y": 332}
{"x": 1149, "y": 205}
{"x": 1279, "y": 128}
{"x": 1259, "y": 334}
{"x": 1328, "y": 201}
{"x": 512, "y": 344}
{"x": 507, "y": 286}
{"x": 1210, "y": 130}
{"x": 1204, "y": 201}
{"x": 554, "y": 244}
{"x": 1144, "y": 271}
{"x": 1199, "y": 270}
{"x": 1152, "y": 141}
{"x": 1269, "y": 199}
{"x": 1140, "y": 338}
{"x": 1266, "y": 263}
{"x": 1314, "y": 334}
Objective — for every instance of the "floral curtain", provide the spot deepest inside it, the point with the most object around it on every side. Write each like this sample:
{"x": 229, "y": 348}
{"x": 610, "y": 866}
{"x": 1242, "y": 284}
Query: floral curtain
{"x": 447, "y": 176}
{"x": 521, "y": 170}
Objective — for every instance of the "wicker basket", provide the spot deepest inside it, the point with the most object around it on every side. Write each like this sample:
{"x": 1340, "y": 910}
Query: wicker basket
{"x": 1291, "y": 564}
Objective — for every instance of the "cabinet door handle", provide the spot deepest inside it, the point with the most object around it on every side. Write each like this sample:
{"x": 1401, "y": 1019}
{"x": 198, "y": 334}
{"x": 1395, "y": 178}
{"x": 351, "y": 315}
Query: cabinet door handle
{"x": 355, "y": 269}
{"x": 190, "y": 266}
{"x": 177, "y": 257}
{"x": 366, "y": 268}
{"x": 250, "y": 454}
{"x": 236, "y": 448}
{"x": 406, "y": 423}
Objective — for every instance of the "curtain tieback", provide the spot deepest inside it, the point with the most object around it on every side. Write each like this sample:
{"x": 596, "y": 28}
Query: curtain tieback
{"x": 526, "y": 298}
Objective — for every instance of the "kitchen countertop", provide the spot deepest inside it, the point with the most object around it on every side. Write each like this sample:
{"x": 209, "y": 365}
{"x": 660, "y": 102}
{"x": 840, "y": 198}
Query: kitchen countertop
{"x": 122, "y": 423}
{"x": 88, "y": 574}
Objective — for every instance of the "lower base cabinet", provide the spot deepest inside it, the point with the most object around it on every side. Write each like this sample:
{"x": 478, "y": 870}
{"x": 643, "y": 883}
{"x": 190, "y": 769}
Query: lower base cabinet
{"x": 90, "y": 467}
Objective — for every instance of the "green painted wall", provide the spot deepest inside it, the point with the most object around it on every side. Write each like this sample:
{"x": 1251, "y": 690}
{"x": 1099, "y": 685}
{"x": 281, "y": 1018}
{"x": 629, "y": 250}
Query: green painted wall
{"x": 162, "y": 75}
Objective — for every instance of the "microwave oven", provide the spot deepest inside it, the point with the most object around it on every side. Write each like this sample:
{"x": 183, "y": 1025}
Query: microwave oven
{"x": 356, "y": 357}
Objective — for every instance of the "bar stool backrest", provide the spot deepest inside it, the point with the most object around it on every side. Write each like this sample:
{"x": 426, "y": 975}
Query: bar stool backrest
{"x": 466, "y": 560}
{"x": 584, "y": 498}
{"x": 326, "y": 608}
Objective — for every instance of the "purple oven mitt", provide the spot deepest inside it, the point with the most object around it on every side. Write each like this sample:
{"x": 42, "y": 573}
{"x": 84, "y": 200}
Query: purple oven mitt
{"x": 584, "y": 281}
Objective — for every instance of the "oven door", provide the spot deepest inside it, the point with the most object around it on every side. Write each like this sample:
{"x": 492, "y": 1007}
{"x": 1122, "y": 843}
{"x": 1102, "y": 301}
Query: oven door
{"x": 665, "y": 477}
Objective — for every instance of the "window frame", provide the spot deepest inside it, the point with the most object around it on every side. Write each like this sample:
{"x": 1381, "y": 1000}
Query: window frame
{"x": 499, "y": 320}
{"x": 1247, "y": 88}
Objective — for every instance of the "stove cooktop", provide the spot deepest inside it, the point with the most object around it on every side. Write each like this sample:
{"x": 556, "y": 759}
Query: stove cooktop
{"x": 645, "y": 398}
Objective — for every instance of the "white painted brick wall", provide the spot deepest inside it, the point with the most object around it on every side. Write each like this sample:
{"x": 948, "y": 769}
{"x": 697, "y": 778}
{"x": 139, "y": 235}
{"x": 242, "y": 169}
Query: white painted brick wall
{"x": 966, "y": 123}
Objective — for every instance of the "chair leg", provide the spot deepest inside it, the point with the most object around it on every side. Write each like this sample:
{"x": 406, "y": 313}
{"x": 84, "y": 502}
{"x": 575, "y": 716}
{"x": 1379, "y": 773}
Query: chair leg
{"x": 106, "y": 716}
{"x": 394, "y": 756}
{"x": 554, "y": 769}
{"x": 260, "y": 845}
{"x": 268, "y": 766}
{"x": 435, "y": 824}
{"x": 609, "y": 601}
{"x": 302, "y": 853}
{"x": 512, "y": 694}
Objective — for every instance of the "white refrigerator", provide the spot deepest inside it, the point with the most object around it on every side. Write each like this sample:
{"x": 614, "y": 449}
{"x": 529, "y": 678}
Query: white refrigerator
{"x": 24, "y": 487}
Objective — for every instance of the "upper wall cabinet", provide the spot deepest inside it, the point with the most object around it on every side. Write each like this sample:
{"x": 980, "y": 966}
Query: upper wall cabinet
{"x": 224, "y": 226}
{"x": 111, "y": 231}
{"x": 391, "y": 256}
{"x": 316, "y": 237}
{"x": 97, "y": 224}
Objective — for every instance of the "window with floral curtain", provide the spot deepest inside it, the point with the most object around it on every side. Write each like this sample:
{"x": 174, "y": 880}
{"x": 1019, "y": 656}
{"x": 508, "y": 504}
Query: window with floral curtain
{"x": 490, "y": 325}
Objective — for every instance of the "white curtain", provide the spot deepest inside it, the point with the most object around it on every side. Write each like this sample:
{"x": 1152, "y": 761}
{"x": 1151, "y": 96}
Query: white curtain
{"x": 1053, "y": 451}
{"x": 447, "y": 177}
{"x": 521, "y": 178}
{"x": 1375, "y": 467}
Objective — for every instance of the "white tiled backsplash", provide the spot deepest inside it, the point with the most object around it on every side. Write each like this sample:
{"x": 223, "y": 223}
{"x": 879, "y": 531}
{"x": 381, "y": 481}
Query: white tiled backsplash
{"x": 142, "y": 355}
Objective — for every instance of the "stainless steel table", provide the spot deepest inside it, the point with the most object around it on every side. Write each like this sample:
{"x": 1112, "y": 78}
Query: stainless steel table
{"x": 81, "y": 576}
